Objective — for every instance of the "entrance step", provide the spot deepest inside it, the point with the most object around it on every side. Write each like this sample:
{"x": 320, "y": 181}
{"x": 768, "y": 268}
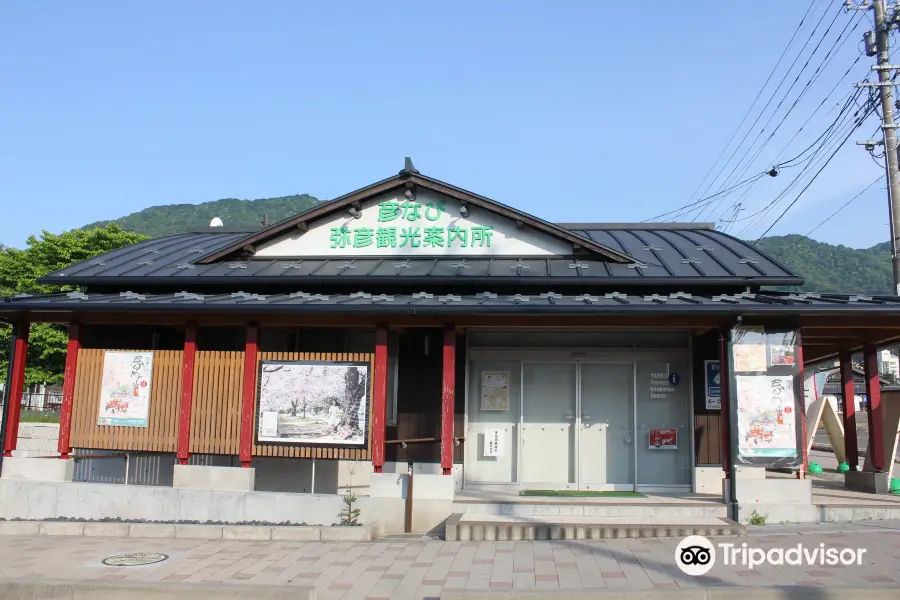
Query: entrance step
{"x": 547, "y": 510}
{"x": 480, "y": 527}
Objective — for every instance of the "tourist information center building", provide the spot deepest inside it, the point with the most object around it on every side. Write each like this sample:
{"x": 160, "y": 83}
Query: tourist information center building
{"x": 413, "y": 321}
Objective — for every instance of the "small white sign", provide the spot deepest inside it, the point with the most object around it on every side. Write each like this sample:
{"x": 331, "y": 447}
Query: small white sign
{"x": 493, "y": 442}
{"x": 269, "y": 426}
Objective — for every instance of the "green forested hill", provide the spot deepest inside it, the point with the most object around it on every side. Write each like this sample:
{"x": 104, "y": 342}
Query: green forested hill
{"x": 826, "y": 268}
{"x": 176, "y": 218}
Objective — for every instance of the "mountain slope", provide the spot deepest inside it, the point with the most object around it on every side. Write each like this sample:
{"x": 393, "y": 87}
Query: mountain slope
{"x": 157, "y": 221}
{"x": 826, "y": 268}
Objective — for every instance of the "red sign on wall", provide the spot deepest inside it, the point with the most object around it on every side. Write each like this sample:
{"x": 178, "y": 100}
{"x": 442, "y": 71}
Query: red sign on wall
{"x": 663, "y": 439}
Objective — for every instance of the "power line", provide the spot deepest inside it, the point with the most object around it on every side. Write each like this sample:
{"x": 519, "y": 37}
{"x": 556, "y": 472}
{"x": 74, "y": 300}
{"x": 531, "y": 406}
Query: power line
{"x": 755, "y": 100}
{"x": 836, "y": 130}
{"x": 768, "y": 103}
{"x": 806, "y": 187}
{"x": 737, "y": 185}
{"x": 824, "y": 63}
{"x": 783, "y": 99}
{"x": 829, "y": 217}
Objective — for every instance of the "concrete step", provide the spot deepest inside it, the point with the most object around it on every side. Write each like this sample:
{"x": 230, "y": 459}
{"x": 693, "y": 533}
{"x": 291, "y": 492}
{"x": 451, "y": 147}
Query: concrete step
{"x": 479, "y": 527}
{"x": 642, "y": 510}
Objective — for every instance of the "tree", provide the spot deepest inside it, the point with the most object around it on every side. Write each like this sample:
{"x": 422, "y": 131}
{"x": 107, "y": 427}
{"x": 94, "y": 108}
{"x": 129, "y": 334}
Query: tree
{"x": 19, "y": 272}
{"x": 355, "y": 389}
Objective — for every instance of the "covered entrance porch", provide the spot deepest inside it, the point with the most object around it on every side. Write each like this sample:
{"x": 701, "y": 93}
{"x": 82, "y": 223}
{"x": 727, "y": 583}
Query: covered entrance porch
{"x": 572, "y": 415}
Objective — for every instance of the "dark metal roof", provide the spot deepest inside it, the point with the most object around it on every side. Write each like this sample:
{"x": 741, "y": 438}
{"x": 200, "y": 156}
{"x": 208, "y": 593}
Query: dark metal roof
{"x": 668, "y": 256}
{"x": 489, "y": 303}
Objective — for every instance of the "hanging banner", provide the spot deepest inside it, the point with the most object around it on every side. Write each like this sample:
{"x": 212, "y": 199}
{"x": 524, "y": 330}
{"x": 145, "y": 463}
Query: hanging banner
{"x": 663, "y": 439}
{"x": 766, "y": 416}
{"x": 713, "y": 385}
{"x": 125, "y": 389}
{"x": 495, "y": 390}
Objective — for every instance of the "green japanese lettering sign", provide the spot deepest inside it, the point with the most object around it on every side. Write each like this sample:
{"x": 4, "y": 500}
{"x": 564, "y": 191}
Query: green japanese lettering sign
{"x": 401, "y": 230}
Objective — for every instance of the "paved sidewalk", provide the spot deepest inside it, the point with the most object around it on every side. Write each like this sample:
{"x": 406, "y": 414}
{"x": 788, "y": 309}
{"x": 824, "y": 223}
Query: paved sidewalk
{"x": 412, "y": 569}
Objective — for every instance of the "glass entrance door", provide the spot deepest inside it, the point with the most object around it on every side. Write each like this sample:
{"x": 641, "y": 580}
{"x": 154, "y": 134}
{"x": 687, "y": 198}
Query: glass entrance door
{"x": 606, "y": 427}
{"x": 549, "y": 393}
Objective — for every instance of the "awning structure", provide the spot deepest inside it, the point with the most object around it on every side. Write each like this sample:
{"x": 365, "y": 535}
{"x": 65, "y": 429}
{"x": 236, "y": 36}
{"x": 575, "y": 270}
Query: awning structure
{"x": 828, "y": 323}
{"x": 745, "y": 304}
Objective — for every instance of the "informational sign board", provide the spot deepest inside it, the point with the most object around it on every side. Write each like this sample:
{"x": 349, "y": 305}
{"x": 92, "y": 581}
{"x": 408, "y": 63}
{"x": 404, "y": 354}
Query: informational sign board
{"x": 495, "y": 390}
{"x": 125, "y": 389}
{"x": 663, "y": 439}
{"x": 493, "y": 442}
{"x": 765, "y": 403}
{"x": 713, "y": 384}
{"x": 322, "y": 403}
{"x": 425, "y": 224}
{"x": 766, "y": 419}
{"x": 662, "y": 384}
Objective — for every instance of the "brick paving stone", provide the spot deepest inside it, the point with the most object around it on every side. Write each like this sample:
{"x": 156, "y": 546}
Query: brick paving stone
{"x": 504, "y": 585}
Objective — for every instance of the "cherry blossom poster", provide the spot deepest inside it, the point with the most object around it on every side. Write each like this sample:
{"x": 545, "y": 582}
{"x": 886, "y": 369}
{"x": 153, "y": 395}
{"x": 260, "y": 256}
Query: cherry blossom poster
{"x": 313, "y": 402}
{"x": 125, "y": 389}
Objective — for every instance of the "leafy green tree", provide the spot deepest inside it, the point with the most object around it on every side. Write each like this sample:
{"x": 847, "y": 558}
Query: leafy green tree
{"x": 19, "y": 272}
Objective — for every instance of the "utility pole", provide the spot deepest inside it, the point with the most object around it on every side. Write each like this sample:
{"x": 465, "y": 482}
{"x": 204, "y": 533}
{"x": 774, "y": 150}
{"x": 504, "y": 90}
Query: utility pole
{"x": 885, "y": 85}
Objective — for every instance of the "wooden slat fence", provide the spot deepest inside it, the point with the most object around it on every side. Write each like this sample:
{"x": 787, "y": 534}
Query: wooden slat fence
{"x": 216, "y": 410}
{"x": 165, "y": 398}
{"x": 286, "y": 450}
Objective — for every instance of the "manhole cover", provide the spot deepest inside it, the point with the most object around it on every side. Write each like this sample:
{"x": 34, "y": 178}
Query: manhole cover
{"x": 134, "y": 559}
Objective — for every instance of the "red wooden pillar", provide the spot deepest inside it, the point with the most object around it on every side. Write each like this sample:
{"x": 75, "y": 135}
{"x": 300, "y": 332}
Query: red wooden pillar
{"x": 448, "y": 396}
{"x": 68, "y": 399}
{"x": 725, "y": 415}
{"x": 187, "y": 394}
{"x": 801, "y": 472}
{"x": 251, "y": 347}
{"x": 851, "y": 443}
{"x": 379, "y": 397}
{"x": 16, "y": 386}
{"x": 873, "y": 393}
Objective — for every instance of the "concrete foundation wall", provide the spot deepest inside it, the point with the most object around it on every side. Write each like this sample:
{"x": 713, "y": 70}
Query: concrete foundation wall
{"x": 708, "y": 480}
{"x": 195, "y": 477}
{"x": 38, "y": 439}
{"x": 38, "y": 500}
{"x": 37, "y": 469}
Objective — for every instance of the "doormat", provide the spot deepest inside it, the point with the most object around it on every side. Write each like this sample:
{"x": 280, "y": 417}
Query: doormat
{"x": 581, "y": 494}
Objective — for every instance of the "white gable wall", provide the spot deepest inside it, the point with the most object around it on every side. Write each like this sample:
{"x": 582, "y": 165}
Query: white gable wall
{"x": 505, "y": 239}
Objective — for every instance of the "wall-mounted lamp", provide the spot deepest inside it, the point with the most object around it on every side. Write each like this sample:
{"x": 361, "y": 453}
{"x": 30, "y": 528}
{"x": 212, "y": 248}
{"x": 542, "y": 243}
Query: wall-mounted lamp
{"x": 355, "y": 213}
{"x": 464, "y": 211}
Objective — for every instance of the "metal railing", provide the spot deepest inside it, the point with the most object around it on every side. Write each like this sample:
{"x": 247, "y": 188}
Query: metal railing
{"x": 49, "y": 403}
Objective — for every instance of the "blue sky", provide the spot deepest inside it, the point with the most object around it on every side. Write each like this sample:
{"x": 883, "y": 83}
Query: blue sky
{"x": 572, "y": 111}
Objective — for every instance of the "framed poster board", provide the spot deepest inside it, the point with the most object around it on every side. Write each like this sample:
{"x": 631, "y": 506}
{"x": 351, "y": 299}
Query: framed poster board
{"x": 317, "y": 403}
{"x": 125, "y": 389}
{"x": 495, "y": 390}
{"x": 663, "y": 439}
{"x": 765, "y": 403}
